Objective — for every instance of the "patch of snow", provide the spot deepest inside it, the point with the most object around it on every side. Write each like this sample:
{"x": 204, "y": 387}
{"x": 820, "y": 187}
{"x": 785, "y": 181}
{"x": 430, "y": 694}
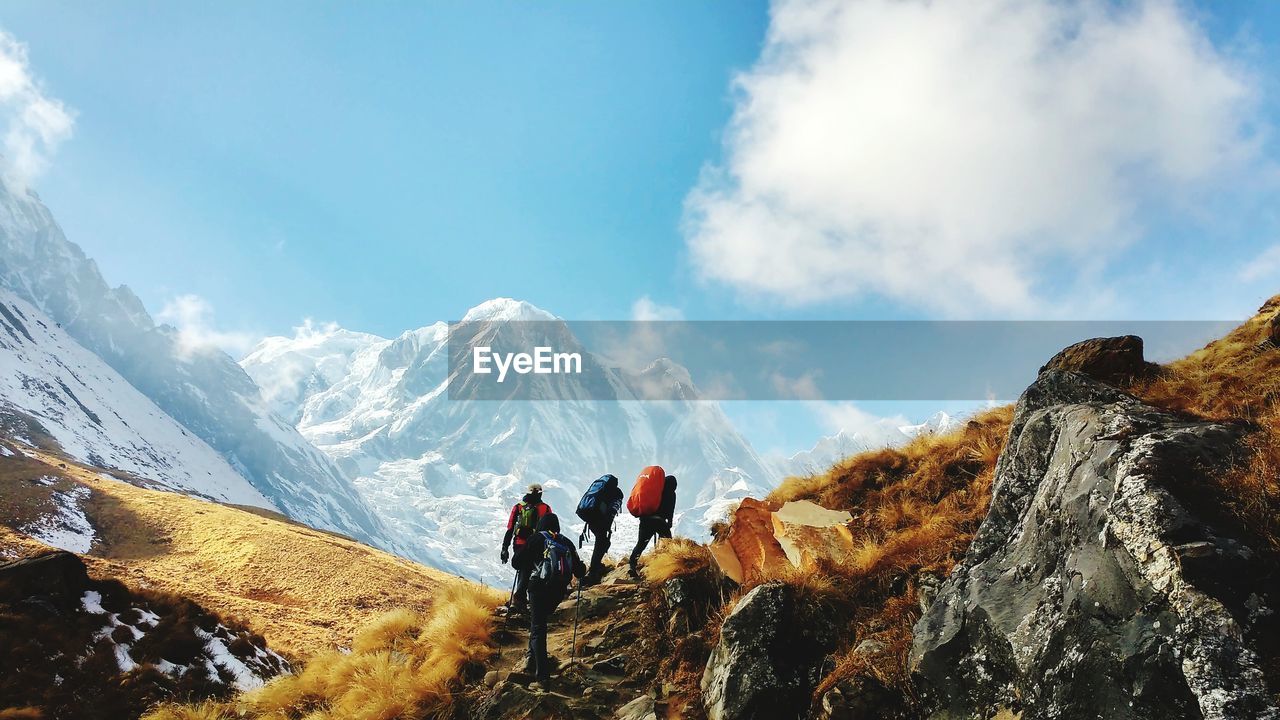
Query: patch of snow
{"x": 92, "y": 602}
{"x": 5, "y": 452}
{"x": 67, "y": 528}
{"x": 220, "y": 655}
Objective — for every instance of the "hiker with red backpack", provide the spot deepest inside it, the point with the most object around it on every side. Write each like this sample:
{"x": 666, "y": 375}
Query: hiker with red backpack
{"x": 653, "y": 500}
{"x": 598, "y": 508}
{"x": 521, "y": 525}
{"x": 554, "y": 563}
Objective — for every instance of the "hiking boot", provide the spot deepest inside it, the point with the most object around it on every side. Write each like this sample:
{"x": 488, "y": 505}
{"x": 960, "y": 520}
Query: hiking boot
{"x": 633, "y": 573}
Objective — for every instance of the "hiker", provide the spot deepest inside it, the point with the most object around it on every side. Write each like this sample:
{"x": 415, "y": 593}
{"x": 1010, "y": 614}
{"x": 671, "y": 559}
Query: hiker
{"x": 521, "y": 525}
{"x": 555, "y": 563}
{"x": 598, "y": 508}
{"x": 653, "y": 500}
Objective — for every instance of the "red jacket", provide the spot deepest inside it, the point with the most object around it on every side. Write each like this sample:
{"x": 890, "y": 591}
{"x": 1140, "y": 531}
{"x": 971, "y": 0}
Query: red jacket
{"x": 543, "y": 509}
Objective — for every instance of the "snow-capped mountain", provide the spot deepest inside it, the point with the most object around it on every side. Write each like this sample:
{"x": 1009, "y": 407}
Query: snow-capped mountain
{"x": 832, "y": 449}
{"x": 97, "y": 417}
{"x": 444, "y": 473}
{"x": 206, "y": 392}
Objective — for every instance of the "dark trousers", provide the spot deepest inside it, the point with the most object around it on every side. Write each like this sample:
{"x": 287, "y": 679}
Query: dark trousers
{"x": 600, "y": 532}
{"x": 541, "y": 604}
{"x": 522, "y": 584}
{"x": 649, "y": 526}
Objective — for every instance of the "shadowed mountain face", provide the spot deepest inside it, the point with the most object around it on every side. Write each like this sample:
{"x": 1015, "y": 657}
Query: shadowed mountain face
{"x": 444, "y": 472}
{"x": 204, "y": 390}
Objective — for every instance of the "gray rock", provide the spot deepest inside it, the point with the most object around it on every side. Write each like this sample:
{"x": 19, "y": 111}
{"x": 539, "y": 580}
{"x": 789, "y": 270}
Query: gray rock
{"x": 642, "y": 708}
{"x": 768, "y": 660}
{"x": 1090, "y": 590}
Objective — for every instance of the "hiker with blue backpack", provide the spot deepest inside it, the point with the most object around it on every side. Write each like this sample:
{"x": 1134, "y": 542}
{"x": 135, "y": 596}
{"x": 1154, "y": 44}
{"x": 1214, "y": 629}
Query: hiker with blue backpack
{"x": 521, "y": 525}
{"x": 598, "y": 508}
{"x": 555, "y": 563}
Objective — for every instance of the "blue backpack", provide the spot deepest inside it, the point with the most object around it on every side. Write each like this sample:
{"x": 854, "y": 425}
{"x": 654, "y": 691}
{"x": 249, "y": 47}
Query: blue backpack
{"x": 601, "y": 502}
{"x": 555, "y": 568}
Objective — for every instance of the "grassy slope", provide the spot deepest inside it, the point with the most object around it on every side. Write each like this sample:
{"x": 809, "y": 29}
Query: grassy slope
{"x": 305, "y": 590}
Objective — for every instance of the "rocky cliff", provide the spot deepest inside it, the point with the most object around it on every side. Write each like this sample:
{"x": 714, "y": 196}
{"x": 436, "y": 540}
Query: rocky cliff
{"x": 1091, "y": 590}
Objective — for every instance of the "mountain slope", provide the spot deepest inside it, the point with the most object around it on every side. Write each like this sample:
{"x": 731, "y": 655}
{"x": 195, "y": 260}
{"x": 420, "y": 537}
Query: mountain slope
{"x": 444, "y": 472}
{"x": 305, "y": 590}
{"x": 203, "y": 390}
{"x": 97, "y": 417}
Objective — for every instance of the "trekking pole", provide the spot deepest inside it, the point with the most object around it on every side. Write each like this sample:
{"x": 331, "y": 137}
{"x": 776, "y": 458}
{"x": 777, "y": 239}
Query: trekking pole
{"x": 577, "y": 606}
{"x": 512, "y": 597}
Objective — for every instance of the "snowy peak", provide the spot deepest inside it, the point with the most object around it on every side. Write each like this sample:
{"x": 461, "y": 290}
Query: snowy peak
{"x": 444, "y": 473}
{"x": 507, "y": 310}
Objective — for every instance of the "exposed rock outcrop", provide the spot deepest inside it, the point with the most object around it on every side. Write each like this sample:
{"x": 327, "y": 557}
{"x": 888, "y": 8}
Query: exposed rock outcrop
{"x": 74, "y": 646}
{"x": 1090, "y": 590}
{"x": 809, "y": 532}
{"x": 769, "y": 657}
{"x": 765, "y": 537}
{"x": 1115, "y": 360}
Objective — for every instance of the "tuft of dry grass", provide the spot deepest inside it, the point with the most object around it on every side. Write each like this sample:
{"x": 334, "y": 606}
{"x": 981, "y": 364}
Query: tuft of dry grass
{"x": 676, "y": 557}
{"x": 21, "y": 713}
{"x": 403, "y": 665}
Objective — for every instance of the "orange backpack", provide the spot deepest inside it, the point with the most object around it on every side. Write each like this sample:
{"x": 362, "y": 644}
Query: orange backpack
{"x": 646, "y": 496}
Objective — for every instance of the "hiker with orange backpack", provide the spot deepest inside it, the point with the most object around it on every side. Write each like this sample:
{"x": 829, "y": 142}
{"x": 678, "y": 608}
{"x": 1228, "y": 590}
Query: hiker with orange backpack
{"x": 521, "y": 525}
{"x": 653, "y": 500}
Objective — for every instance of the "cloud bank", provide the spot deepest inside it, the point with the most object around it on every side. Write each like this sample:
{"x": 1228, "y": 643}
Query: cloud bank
{"x": 192, "y": 316}
{"x": 957, "y": 156}
{"x": 34, "y": 124}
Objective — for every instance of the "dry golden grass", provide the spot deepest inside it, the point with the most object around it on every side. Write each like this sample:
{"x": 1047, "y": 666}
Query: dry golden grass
{"x": 676, "y": 557}
{"x": 912, "y": 506}
{"x": 915, "y": 510}
{"x": 21, "y": 714}
{"x": 305, "y": 590}
{"x": 1234, "y": 379}
{"x": 403, "y": 665}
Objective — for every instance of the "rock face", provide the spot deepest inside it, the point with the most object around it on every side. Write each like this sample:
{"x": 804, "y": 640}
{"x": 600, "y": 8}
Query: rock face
{"x": 750, "y": 538}
{"x": 809, "y": 533}
{"x": 768, "y": 660}
{"x": 1090, "y": 590}
{"x": 1115, "y": 361}
{"x": 764, "y": 537}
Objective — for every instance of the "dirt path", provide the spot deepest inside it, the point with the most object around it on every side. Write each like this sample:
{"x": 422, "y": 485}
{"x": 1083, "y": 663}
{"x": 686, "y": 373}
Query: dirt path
{"x": 612, "y": 675}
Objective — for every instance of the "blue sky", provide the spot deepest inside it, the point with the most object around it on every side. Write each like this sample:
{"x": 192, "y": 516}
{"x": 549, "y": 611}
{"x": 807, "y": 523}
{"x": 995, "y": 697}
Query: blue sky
{"x": 386, "y": 165}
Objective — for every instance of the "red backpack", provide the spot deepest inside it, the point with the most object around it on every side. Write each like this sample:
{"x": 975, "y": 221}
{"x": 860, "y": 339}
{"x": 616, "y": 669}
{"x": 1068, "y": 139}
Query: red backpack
{"x": 646, "y": 496}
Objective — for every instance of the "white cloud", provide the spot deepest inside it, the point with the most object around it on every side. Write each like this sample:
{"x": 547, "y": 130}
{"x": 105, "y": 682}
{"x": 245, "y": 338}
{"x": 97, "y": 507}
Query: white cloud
{"x": 1265, "y": 266}
{"x": 850, "y": 418}
{"x": 645, "y": 309}
{"x": 804, "y": 387}
{"x": 961, "y": 156}
{"x": 33, "y": 123}
{"x": 192, "y": 316}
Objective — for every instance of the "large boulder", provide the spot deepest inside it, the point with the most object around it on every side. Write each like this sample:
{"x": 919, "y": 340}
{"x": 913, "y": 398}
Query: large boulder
{"x": 1115, "y": 360}
{"x": 1090, "y": 590}
{"x": 809, "y": 533}
{"x": 55, "y": 580}
{"x": 756, "y": 551}
{"x": 769, "y": 658}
